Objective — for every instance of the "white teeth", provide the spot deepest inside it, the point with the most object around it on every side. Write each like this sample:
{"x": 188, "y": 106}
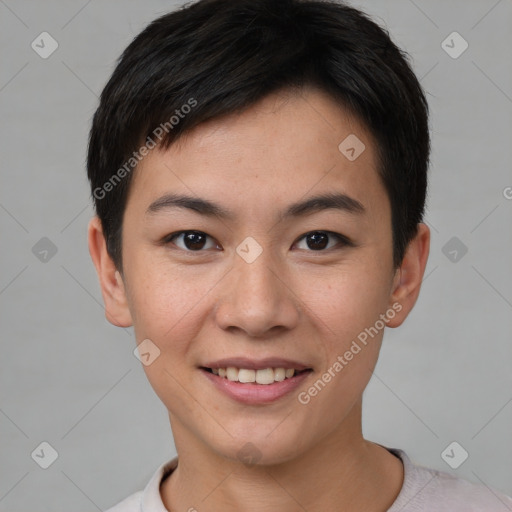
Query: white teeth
{"x": 265, "y": 376}
{"x": 279, "y": 374}
{"x": 232, "y": 373}
{"x": 245, "y": 375}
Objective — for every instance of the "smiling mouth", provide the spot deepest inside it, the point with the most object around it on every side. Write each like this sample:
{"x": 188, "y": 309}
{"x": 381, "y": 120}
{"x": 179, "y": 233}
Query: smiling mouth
{"x": 264, "y": 376}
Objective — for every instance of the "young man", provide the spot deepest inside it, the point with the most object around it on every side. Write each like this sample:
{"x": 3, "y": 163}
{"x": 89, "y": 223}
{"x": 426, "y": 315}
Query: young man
{"x": 259, "y": 175}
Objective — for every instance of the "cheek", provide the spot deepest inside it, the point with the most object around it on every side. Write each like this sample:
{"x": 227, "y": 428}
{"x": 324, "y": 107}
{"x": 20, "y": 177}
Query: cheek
{"x": 349, "y": 308}
{"x": 166, "y": 305}
{"x": 350, "y": 300}
{"x": 163, "y": 301}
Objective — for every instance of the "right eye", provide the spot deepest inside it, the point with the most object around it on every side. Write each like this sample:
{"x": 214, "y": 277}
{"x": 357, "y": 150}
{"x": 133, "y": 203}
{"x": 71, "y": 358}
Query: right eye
{"x": 193, "y": 241}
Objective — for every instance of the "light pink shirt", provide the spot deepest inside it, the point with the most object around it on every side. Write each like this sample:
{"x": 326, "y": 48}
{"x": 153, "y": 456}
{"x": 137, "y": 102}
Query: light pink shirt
{"x": 423, "y": 490}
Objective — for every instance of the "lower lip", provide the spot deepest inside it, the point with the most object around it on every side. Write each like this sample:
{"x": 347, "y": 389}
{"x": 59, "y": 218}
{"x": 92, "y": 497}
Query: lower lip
{"x": 248, "y": 393}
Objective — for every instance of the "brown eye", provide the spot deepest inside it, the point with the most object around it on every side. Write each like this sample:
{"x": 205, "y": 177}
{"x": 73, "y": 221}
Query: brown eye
{"x": 192, "y": 240}
{"x": 319, "y": 240}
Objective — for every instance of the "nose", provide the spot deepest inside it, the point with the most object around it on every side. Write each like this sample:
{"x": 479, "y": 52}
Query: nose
{"x": 257, "y": 298}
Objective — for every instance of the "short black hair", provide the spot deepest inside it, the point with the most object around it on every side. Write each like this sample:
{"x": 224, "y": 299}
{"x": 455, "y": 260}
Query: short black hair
{"x": 215, "y": 57}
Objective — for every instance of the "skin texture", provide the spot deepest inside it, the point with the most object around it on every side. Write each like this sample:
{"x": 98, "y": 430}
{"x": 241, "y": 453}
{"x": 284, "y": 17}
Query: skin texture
{"x": 292, "y": 302}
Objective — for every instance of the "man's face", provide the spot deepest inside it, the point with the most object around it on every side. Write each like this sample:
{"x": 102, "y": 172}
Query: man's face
{"x": 261, "y": 284}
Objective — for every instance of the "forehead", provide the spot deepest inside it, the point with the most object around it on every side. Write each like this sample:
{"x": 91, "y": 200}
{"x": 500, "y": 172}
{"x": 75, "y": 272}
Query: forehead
{"x": 287, "y": 146}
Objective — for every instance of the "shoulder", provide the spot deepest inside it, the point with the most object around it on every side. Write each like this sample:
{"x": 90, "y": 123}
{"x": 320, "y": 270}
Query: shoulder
{"x": 426, "y": 490}
{"x": 130, "y": 504}
{"x": 473, "y": 497}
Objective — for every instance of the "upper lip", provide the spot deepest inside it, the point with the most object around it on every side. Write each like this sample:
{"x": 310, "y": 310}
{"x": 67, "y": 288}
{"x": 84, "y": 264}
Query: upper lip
{"x": 256, "y": 364}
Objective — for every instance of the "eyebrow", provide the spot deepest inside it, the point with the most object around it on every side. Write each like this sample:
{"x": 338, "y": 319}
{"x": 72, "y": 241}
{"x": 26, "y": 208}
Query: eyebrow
{"x": 328, "y": 201}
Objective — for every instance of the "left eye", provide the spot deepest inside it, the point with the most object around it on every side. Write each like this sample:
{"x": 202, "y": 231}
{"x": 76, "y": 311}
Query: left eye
{"x": 318, "y": 240}
{"x": 194, "y": 241}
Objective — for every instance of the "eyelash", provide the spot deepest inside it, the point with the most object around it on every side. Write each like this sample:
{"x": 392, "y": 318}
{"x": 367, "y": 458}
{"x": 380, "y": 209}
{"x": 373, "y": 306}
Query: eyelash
{"x": 343, "y": 240}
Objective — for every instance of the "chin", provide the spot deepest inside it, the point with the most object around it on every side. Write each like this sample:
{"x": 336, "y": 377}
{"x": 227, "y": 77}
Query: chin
{"x": 258, "y": 450}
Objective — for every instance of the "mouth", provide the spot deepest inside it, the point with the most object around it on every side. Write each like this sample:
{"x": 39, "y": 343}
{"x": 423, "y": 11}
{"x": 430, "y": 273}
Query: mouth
{"x": 263, "y": 376}
{"x": 255, "y": 382}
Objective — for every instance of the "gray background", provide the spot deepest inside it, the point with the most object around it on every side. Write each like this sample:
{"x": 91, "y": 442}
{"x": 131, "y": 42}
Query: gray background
{"x": 70, "y": 378}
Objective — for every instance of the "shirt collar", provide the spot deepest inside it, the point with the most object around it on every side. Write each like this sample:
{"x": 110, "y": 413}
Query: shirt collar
{"x": 151, "y": 500}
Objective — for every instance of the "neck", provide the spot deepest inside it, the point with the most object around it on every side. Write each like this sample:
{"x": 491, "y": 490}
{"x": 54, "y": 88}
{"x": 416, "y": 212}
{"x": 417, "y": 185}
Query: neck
{"x": 343, "y": 473}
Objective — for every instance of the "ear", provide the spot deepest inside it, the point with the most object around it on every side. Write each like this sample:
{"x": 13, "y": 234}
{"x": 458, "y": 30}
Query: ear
{"x": 111, "y": 282}
{"x": 408, "y": 278}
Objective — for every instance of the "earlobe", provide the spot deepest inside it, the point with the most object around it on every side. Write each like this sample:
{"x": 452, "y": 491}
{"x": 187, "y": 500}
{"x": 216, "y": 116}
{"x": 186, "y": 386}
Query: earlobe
{"x": 408, "y": 278}
{"x": 112, "y": 286}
